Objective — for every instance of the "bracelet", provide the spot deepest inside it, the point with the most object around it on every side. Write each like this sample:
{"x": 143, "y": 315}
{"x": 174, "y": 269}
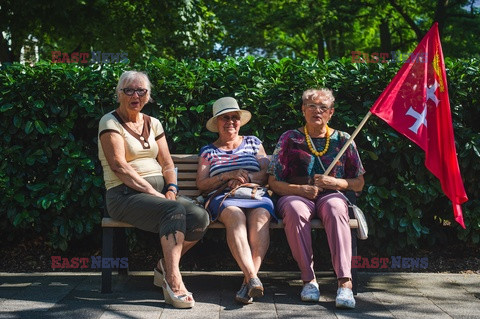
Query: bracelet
{"x": 174, "y": 185}
{"x": 172, "y": 190}
{"x": 168, "y": 170}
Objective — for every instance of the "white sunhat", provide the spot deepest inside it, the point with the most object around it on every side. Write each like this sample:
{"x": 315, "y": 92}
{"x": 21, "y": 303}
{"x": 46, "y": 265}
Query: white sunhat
{"x": 226, "y": 105}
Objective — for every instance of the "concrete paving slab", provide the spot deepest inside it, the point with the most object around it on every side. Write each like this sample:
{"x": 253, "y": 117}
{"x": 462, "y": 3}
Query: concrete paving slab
{"x": 128, "y": 314}
{"x": 381, "y": 295}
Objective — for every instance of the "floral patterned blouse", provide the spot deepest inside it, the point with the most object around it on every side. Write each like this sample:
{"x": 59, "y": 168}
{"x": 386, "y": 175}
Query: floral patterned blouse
{"x": 293, "y": 162}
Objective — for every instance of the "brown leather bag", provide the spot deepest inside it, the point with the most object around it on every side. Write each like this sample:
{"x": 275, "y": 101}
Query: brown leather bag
{"x": 245, "y": 191}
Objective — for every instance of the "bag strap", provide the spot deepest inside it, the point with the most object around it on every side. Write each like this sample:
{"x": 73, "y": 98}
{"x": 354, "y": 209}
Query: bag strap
{"x": 226, "y": 195}
{"x": 230, "y": 193}
{"x": 252, "y": 185}
{"x": 346, "y": 198}
{"x": 218, "y": 191}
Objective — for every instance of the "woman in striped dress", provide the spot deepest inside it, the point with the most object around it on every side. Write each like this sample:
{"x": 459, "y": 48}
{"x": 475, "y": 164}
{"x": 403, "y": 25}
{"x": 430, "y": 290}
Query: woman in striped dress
{"x": 230, "y": 161}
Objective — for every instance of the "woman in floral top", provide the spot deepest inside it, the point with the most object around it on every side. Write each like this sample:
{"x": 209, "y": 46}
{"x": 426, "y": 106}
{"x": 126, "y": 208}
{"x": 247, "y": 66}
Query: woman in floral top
{"x": 296, "y": 174}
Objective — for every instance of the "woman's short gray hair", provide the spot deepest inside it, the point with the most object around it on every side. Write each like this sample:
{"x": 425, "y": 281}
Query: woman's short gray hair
{"x": 313, "y": 94}
{"x": 128, "y": 77}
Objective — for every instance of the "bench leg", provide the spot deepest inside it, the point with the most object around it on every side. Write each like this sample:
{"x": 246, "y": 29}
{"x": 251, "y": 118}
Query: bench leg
{"x": 107, "y": 252}
{"x": 121, "y": 248}
{"x": 354, "y": 270}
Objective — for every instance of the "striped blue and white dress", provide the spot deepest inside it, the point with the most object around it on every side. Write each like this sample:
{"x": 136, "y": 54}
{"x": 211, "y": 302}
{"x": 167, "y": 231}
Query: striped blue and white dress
{"x": 243, "y": 157}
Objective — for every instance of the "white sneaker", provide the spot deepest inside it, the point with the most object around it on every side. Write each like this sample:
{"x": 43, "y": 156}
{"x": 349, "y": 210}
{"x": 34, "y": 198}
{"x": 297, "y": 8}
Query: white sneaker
{"x": 345, "y": 298}
{"x": 310, "y": 292}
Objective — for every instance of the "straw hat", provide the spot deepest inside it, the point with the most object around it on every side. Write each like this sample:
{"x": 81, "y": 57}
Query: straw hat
{"x": 226, "y": 105}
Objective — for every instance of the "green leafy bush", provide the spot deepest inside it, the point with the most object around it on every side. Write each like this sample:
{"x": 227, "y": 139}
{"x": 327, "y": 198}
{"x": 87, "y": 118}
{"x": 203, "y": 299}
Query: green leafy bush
{"x": 51, "y": 181}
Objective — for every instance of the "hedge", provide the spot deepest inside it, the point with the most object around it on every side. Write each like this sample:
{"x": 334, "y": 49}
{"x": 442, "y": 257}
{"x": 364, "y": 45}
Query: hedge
{"x": 51, "y": 180}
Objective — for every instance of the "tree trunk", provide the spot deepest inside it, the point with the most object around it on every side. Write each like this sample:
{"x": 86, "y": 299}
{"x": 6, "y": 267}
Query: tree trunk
{"x": 5, "y": 53}
{"x": 328, "y": 42}
{"x": 16, "y": 46}
{"x": 321, "y": 48}
{"x": 385, "y": 37}
{"x": 441, "y": 14}
{"x": 409, "y": 20}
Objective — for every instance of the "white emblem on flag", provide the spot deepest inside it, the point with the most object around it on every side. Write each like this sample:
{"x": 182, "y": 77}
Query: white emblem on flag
{"x": 421, "y": 118}
{"x": 431, "y": 93}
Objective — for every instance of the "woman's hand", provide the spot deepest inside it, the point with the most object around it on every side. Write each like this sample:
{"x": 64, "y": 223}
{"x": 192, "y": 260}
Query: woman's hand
{"x": 240, "y": 175}
{"x": 326, "y": 182}
{"x": 170, "y": 195}
{"x": 283, "y": 189}
{"x": 339, "y": 184}
{"x": 158, "y": 194}
{"x": 310, "y": 191}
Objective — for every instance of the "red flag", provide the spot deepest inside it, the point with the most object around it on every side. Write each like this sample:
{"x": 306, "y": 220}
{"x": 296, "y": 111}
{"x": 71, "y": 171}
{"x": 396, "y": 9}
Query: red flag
{"x": 416, "y": 104}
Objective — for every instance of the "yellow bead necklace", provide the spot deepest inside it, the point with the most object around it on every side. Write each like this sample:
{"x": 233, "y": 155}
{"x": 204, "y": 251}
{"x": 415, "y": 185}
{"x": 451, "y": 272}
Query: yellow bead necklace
{"x": 311, "y": 147}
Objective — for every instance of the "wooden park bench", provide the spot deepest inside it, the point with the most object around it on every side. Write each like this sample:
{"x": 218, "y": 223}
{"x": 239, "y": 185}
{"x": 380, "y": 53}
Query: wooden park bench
{"x": 186, "y": 176}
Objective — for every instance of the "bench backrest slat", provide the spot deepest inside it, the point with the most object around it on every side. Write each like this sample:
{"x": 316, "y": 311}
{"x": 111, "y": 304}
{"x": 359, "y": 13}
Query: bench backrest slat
{"x": 187, "y": 174}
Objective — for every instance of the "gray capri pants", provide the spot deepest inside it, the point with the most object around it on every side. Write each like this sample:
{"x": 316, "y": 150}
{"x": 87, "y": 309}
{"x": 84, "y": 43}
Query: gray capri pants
{"x": 155, "y": 214}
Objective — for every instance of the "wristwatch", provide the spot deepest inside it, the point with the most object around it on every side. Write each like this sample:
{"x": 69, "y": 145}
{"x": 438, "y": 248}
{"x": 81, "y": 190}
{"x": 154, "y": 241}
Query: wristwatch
{"x": 173, "y": 190}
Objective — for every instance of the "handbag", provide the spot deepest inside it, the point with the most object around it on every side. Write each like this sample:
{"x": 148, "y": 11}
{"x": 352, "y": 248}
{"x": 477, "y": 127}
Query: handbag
{"x": 362, "y": 230}
{"x": 247, "y": 191}
{"x": 243, "y": 191}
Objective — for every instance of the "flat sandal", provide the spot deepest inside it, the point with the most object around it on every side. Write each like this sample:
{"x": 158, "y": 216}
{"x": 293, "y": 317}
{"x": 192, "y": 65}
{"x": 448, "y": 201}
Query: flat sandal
{"x": 255, "y": 288}
{"x": 242, "y": 295}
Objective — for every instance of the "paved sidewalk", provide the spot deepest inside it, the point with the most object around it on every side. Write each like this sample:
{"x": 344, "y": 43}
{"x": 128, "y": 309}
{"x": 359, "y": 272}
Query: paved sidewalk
{"x": 381, "y": 295}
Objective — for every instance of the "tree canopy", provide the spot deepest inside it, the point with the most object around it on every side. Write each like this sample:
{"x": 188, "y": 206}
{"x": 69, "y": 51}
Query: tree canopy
{"x": 185, "y": 29}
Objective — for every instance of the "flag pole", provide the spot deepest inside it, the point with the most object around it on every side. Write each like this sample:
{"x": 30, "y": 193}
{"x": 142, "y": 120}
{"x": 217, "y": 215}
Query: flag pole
{"x": 350, "y": 140}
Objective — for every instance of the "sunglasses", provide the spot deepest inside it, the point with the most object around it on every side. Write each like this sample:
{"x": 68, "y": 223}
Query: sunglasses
{"x": 227, "y": 118}
{"x": 131, "y": 92}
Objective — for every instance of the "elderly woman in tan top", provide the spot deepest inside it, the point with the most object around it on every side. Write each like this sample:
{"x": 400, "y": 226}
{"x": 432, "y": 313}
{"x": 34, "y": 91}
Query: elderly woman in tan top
{"x": 141, "y": 183}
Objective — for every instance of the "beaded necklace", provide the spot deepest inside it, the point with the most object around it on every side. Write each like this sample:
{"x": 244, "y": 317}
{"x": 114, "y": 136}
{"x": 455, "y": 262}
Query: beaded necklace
{"x": 311, "y": 147}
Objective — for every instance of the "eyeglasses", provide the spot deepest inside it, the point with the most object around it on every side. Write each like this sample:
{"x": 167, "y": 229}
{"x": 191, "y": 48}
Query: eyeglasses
{"x": 321, "y": 107}
{"x": 131, "y": 92}
{"x": 233, "y": 118}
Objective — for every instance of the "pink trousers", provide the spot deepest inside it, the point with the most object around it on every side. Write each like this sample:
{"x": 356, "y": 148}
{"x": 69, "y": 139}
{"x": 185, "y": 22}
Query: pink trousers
{"x": 332, "y": 209}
